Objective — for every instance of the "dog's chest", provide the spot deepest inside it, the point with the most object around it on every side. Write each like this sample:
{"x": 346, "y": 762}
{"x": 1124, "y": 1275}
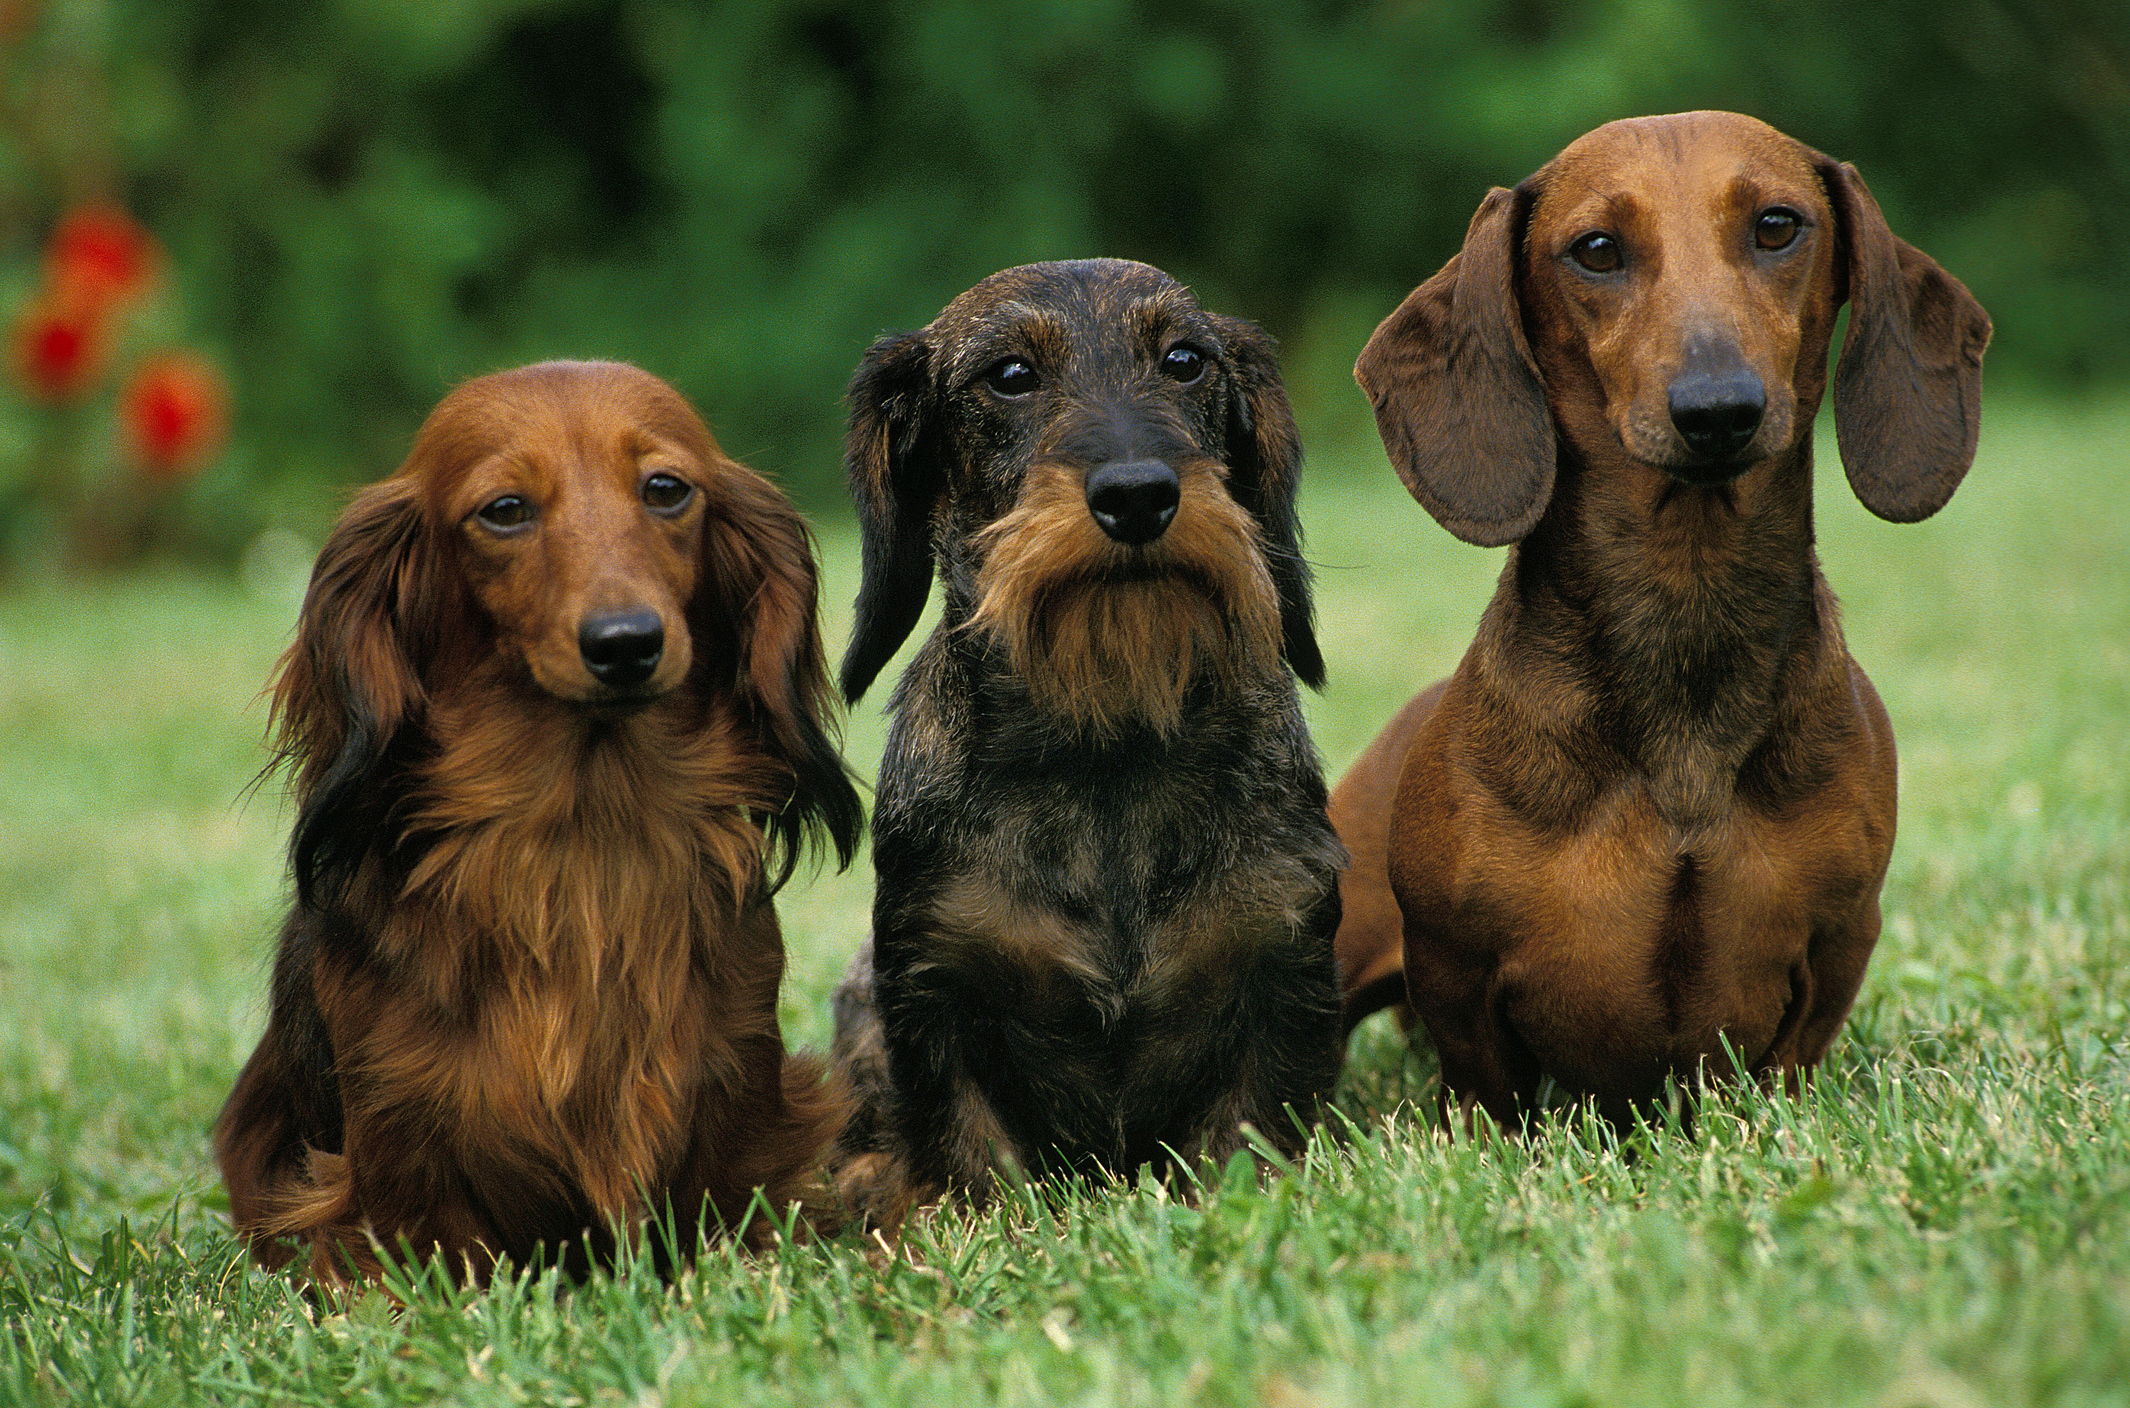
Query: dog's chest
{"x": 1633, "y": 949}
{"x": 1128, "y": 897}
{"x": 582, "y": 1005}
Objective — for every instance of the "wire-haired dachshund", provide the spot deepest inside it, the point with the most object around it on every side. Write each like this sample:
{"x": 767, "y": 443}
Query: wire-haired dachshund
{"x": 1641, "y": 830}
{"x": 557, "y": 713}
{"x": 1107, "y": 886}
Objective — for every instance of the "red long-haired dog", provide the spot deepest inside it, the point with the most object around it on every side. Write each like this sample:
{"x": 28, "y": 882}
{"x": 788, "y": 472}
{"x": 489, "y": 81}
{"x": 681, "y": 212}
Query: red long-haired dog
{"x": 557, "y": 715}
{"x": 1643, "y": 826}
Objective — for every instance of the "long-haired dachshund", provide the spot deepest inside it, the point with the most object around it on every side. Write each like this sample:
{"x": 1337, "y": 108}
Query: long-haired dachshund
{"x": 1643, "y": 827}
{"x": 556, "y": 711}
{"x": 1107, "y": 886}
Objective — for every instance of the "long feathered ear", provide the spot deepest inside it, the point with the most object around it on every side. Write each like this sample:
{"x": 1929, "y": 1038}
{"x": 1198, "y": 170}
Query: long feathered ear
{"x": 758, "y": 562}
{"x": 352, "y": 681}
{"x": 1459, "y": 400}
{"x": 1908, "y": 389}
{"x": 894, "y": 485}
{"x": 1265, "y": 468}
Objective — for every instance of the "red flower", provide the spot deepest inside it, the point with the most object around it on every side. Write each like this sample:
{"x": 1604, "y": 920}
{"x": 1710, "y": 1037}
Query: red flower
{"x": 58, "y": 348}
{"x": 174, "y": 411}
{"x": 16, "y": 17}
{"x": 100, "y": 255}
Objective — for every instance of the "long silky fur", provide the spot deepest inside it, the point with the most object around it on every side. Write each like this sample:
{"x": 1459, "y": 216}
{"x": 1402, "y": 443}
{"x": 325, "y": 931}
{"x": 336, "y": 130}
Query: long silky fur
{"x": 533, "y": 956}
{"x": 575, "y": 881}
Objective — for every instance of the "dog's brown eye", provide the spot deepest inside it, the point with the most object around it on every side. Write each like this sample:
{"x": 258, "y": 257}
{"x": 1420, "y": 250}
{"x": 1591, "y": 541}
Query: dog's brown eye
{"x": 1597, "y": 251}
{"x": 505, "y": 512}
{"x": 666, "y": 492}
{"x": 1183, "y": 364}
{"x": 1777, "y": 228}
{"x": 1012, "y": 377}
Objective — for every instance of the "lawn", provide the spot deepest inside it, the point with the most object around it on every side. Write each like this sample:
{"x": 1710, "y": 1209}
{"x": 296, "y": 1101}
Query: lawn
{"x": 1944, "y": 1220}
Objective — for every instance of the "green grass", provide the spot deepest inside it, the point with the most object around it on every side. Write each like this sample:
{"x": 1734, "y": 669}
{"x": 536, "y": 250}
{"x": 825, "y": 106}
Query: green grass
{"x": 1944, "y": 1220}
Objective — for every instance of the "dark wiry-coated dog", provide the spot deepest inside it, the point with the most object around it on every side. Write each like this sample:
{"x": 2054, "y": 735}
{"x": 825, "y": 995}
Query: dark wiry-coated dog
{"x": 559, "y": 718}
{"x": 1107, "y": 886}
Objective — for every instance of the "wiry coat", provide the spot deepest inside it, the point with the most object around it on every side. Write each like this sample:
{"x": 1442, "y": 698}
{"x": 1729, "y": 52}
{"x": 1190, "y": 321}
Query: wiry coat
{"x": 527, "y": 994}
{"x": 1106, "y": 882}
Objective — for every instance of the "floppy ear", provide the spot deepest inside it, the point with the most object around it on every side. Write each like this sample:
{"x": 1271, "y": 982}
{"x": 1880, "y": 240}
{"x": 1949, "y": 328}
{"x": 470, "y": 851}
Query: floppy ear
{"x": 352, "y": 680}
{"x": 758, "y": 564}
{"x": 1459, "y": 401}
{"x": 894, "y": 487}
{"x": 1265, "y": 464}
{"x": 1908, "y": 389}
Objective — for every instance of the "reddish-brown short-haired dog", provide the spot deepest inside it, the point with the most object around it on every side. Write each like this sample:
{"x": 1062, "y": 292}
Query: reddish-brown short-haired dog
{"x": 556, "y": 711}
{"x": 1649, "y": 814}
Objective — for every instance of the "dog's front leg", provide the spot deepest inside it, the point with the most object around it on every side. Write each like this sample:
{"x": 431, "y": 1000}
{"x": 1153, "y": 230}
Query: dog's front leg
{"x": 947, "y": 1133}
{"x": 1295, "y": 1038}
{"x": 1485, "y": 1065}
{"x": 261, "y": 1140}
{"x": 399, "y": 1191}
{"x": 1256, "y": 1048}
{"x": 1823, "y": 989}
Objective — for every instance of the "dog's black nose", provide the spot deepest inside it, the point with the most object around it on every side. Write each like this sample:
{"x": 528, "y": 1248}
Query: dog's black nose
{"x": 1133, "y": 500}
{"x": 1716, "y": 412}
{"x": 622, "y": 648}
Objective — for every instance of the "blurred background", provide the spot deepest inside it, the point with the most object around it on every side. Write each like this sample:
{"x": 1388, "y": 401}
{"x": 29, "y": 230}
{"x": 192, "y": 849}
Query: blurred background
{"x": 246, "y": 244}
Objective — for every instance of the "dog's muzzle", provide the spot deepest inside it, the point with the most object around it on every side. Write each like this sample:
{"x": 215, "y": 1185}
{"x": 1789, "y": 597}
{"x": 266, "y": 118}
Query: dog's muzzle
{"x": 622, "y": 648}
{"x": 1716, "y": 404}
{"x": 1133, "y": 501}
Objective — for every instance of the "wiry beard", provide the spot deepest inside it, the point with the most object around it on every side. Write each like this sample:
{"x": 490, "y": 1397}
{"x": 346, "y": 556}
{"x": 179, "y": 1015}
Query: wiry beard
{"x": 1105, "y": 635}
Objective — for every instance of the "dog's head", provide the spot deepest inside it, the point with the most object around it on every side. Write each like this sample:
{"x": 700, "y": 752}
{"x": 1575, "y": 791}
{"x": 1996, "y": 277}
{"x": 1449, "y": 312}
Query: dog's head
{"x": 569, "y": 532}
{"x": 1662, "y": 294}
{"x": 1105, "y": 475}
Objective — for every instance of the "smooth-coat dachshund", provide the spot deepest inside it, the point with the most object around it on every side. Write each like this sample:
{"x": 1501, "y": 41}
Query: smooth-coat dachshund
{"x": 1641, "y": 831}
{"x": 1107, "y": 885}
{"x": 558, "y": 716}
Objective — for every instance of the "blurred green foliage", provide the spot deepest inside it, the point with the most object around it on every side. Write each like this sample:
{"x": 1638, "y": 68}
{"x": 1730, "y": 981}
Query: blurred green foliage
{"x": 366, "y": 201}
